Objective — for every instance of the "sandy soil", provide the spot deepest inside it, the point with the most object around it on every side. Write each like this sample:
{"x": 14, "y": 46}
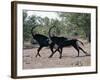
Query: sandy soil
{"x": 69, "y": 58}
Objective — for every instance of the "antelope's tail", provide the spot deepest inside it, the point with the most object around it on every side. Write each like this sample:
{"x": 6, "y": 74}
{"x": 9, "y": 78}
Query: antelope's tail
{"x": 81, "y": 42}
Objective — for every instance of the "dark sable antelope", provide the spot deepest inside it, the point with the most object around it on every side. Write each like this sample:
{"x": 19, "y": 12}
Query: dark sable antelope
{"x": 65, "y": 42}
{"x": 42, "y": 40}
{"x": 55, "y": 40}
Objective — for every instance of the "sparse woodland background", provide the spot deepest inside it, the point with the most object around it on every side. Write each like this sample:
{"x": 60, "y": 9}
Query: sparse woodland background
{"x": 68, "y": 25}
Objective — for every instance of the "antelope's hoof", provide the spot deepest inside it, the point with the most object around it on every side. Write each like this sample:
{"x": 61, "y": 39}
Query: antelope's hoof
{"x": 78, "y": 56}
{"x": 60, "y": 57}
{"x": 50, "y": 57}
{"x": 87, "y": 54}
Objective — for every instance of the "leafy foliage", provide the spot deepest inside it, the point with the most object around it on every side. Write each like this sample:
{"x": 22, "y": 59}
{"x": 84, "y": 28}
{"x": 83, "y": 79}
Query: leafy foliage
{"x": 68, "y": 24}
{"x": 79, "y": 23}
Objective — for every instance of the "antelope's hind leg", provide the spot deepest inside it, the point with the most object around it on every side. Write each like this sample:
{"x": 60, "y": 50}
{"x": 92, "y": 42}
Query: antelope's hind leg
{"x": 84, "y": 51}
{"x": 76, "y": 47}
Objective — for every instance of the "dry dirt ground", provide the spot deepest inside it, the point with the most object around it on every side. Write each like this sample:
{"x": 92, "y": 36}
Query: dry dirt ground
{"x": 69, "y": 58}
